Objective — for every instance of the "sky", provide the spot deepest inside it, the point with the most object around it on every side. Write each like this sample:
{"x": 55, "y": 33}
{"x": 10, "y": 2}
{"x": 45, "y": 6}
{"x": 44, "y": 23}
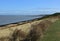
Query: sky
{"x": 29, "y": 7}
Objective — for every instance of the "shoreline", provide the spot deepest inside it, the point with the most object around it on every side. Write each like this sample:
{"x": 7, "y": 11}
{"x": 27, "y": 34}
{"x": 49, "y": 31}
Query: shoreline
{"x": 27, "y": 21}
{"x": 21, "y": 22}
{"x": 26, "y": 26}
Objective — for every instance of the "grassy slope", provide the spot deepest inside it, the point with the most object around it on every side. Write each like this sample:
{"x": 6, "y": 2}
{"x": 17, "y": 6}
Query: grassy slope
{"x": 53, "y": 33}
{"x": 26, "y": 28}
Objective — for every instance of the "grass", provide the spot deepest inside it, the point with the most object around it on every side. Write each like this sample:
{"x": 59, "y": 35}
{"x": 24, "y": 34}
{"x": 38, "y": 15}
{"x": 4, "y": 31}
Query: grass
{"x": 53, "y": 33}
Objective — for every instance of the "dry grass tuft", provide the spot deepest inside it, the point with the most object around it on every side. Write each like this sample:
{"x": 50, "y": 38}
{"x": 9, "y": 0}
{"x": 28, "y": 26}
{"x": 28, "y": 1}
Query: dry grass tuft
{"x": 18, "y": 35}
{"x": 44, "y": 25}
{"x": 38, "y": 30}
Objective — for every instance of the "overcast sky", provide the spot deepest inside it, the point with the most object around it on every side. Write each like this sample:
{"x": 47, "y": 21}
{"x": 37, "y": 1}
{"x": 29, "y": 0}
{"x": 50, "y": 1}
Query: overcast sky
{"x": 29, "y": 7}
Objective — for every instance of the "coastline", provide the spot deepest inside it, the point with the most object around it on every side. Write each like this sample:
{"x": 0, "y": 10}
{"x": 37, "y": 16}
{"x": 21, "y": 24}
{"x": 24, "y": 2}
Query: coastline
{"x": 26, "y": 26}
{"x": 21, "y": 22}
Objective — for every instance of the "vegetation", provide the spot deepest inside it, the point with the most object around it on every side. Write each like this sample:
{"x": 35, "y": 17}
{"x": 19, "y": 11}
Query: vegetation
{"x": 47, "y": 16}
{"x": 37, "y": 30}
{"x": 53, "y": 33}
{"x": 33, "y": 31}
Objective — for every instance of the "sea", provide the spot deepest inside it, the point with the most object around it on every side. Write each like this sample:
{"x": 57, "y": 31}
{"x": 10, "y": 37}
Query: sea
{"x": 6, "y": 19}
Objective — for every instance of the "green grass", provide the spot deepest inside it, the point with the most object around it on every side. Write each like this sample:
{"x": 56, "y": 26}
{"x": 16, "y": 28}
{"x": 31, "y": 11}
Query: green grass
{"x": 53, "y": 32}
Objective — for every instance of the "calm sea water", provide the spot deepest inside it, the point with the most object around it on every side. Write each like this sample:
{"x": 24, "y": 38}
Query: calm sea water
{"x": 6, "y": 19}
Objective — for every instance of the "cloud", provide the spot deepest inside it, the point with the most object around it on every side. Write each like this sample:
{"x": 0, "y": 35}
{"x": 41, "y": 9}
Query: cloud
{"x": 33, "y": 11}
